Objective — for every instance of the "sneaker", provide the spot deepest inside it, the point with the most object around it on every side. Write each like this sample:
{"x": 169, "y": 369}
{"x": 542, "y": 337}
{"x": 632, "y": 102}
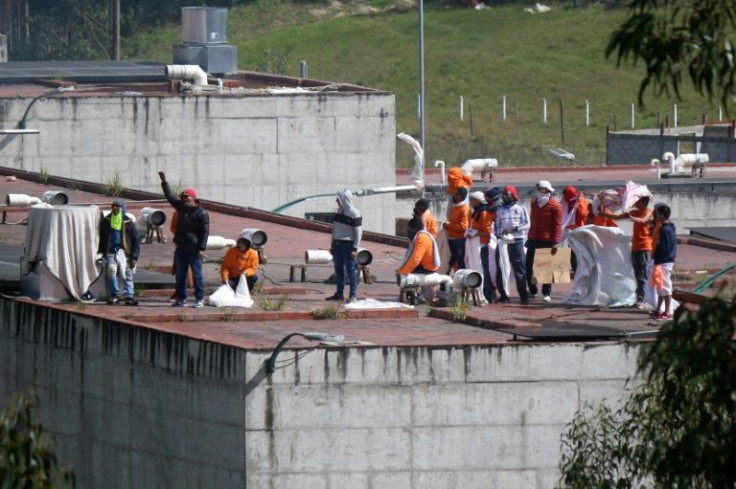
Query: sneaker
{"x": 129, "y": 301}
{"x": 547, "y": 298}
{"x": 335, "y": 297}
{"x": 112, "y": 300}
{"x": 350, "y": 300}
{"x": 179, "y": 303}
{"x": 198, "y": 304}
{"x": 88, "y": 297}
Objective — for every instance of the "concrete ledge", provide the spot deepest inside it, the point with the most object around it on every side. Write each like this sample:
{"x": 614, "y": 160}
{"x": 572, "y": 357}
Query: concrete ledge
{"x": 184, "y": 315}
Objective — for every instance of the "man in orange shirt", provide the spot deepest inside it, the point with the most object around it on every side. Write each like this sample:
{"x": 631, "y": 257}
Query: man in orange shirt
{"x": 422, "y": 257}
{"x": 455, "y": 227}
{"x": 641, "y": 244}
{"x": 242, "y": 259}
{"x": 421, "y": 210}
{"x": 481, "y": 225}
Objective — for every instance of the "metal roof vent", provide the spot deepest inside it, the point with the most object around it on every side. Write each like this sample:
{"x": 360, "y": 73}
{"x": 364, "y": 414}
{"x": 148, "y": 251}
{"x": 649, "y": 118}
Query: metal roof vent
{"x": 204, "y": 36}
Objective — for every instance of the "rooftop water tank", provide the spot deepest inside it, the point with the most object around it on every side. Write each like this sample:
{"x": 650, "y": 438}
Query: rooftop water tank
{"x": 204, "y": 25}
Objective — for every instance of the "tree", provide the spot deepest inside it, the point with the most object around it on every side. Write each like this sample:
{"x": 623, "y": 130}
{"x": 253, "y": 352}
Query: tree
{"x": 679, "y": 39}
{"x": 27, "y": 457}
{"x": 678, "y": 428}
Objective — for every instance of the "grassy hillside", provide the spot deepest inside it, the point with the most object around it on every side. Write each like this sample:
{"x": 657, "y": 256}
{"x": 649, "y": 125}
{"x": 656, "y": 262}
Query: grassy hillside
{"x": 480, "y": 55}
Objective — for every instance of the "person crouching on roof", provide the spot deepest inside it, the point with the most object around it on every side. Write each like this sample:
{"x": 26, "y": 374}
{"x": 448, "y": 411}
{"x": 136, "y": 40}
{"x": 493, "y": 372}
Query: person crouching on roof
{"x": 422, "y": 257}
{"x": 421, "y": 210}
{"x": 119, "y": 246}
{"x": 347, "y": 230}
{"x": 239, "y": 260}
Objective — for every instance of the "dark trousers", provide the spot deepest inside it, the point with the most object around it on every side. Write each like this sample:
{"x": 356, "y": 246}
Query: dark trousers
{"x": 516, "y": 257}
{"x": 489, "y": 291}
{"x": 233, "y": 282}
{"x": 639, "y": 261}
{"x": 342, "y": 261}
{"x": 457, "y": 253}
{"x": 532, "y": 245}
{"x": 185, "y": 258}
{"x": 573, "y": 262}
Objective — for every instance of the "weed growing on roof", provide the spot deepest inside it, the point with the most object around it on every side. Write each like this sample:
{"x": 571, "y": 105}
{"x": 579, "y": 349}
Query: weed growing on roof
{"x": 267, "y": 304}
{"x": 460, "y": 309}
{"x": 227, "y": 313}
{"x": 328, "y": 312}
{"x": 114, "y": 186}
{"x": 44, "y": 175}
{"x": 81, "y": 306}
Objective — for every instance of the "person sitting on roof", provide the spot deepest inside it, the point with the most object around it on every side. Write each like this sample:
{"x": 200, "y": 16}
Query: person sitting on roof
{"x": 421, "y": 210}
{"x": 239, "y": 260}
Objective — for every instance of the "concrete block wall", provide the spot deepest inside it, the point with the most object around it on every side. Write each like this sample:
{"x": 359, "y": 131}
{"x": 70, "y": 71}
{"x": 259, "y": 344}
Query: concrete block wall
{"x": 133, "y": 407}
{"x": 255, "y": 151}
{"x": 637, "y": 149}
{"x": 129, "y": 407}
{"x": 476, "y": 417}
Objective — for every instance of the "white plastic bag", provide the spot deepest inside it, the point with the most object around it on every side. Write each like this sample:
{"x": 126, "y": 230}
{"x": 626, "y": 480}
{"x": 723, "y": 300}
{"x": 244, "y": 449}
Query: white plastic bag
{"x": 225, "y": 296}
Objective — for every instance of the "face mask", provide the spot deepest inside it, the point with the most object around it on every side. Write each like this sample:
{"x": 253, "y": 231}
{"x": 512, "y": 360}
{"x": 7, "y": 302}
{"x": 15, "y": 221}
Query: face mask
{"x": 542, "y": 199}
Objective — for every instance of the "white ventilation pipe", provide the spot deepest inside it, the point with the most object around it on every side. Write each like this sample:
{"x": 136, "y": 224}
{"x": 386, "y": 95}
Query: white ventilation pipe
{"x": 257, "y": 237}
{"x": 152, "y": 217}
{"x": 484, "y": 165}
{"x": 21, "y": 200}
{"x": 317, "y": 257}
{"x": 441, "y": 164}
{"x": 657, "y": 163}
{"x": 423, "y": 280}
{"x": 55, "y": 197}
{"x": 192, "y": 73}
{"x": 466, "y": 279}
{"x": 219, "y": 242}
{"x": 686, "y": 159}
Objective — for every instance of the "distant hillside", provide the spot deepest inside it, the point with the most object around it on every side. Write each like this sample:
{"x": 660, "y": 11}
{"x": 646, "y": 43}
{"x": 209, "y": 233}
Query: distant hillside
{"x": 480, "y": 55}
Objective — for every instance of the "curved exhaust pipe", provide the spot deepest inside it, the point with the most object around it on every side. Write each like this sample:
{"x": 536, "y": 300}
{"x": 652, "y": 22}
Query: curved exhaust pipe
{"x": 191, "y": 73}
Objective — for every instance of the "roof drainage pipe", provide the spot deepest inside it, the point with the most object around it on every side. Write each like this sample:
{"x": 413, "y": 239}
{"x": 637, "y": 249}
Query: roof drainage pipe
{"x": 190, "y": 73}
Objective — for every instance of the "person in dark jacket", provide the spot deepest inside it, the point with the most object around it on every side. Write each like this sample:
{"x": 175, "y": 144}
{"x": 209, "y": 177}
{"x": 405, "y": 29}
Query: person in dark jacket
{"x": 120, "y": 248}
{"x": 665, "y": 254}
{"x": 191, "y": 235}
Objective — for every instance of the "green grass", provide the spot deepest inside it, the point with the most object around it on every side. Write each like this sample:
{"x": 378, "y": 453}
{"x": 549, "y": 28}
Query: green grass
{"x": 481, "y": 55}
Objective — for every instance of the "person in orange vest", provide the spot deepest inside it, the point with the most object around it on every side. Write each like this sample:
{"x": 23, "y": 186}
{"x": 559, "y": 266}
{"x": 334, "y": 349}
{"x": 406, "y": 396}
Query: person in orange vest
{"x": 421, "y": 210}
{"x": 239, "y": 260}
{"x": 455, "y": 227}
{"x": 545, "y": 231}
{"x": 422, "y": 256}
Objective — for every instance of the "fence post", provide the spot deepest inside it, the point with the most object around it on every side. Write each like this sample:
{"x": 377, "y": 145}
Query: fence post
{"x": 633, "y": 116}
{"x": 587, "y": 113}
{"x": 544, "y": 110}
{"x": 461, "y": 108}
{"x": 303, "y": 69}
{"x": 503, "y": 107}
{"x": 674, "y": 115}
{"x": 470, "y": 116}
{"x": 562, "y": 122}
{"x": 419, "y": 106}
{"x": 720, "y": 113}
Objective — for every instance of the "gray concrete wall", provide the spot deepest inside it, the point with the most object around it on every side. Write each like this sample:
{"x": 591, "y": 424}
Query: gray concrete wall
{"x": 640, "y": 149}
{"x": 255, "y": 151}
{"x": 136, "y": 408}
{"x": 3, "y": 48}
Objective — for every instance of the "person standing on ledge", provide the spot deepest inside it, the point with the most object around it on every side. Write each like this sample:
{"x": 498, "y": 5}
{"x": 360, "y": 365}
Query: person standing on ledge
{"x": 347, "y": 229}
{"x": 119, "y": 246}
{"x": 190, "y": 239}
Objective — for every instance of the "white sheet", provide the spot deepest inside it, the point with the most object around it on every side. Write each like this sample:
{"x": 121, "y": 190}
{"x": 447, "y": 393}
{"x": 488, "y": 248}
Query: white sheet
{"x": 604, "y": 275}
{"x": 65, "y": 238}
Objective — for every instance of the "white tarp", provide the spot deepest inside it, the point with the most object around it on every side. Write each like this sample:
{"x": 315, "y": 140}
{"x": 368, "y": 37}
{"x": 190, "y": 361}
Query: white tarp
{"x": 65, "y": 238}
{"x": 604, "y": 275}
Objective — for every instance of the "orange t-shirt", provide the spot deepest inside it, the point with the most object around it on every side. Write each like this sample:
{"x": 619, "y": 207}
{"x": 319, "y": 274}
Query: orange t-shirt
{"x": 238, "y": 262}
{"x": 422, "y": 254}
{"x": 641, "y": 239}
{"x": 458, "y": 221}
{"x": 602, "y": 219}
{"x": 430, "y": 223}
{"x": 483, "y": 225}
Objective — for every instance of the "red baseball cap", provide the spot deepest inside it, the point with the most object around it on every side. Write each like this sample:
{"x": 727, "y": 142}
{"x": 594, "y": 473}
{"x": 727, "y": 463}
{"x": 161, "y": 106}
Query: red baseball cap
{"x": 190, "y": 192}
